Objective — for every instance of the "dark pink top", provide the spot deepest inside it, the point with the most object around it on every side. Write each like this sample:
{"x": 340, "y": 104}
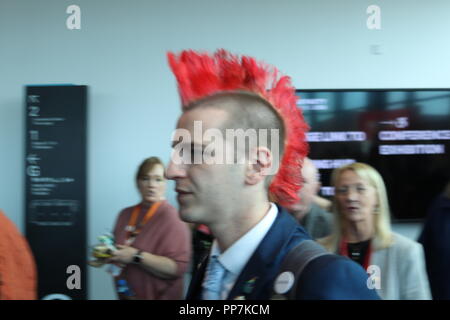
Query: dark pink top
{"x": 163, "y": 235}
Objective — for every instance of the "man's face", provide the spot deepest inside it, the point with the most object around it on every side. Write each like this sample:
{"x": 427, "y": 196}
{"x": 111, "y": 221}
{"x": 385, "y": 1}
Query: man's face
{"x": 204, "y": 190}
{"x": 307, "y": 192}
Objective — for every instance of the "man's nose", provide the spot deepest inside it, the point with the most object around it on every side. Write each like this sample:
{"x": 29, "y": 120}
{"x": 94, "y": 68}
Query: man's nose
{"x": 174, "y": 170}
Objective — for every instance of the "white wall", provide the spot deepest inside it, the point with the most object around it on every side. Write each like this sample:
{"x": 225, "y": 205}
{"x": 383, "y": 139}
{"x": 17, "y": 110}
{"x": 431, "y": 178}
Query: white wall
{"x": 120, "y": 54}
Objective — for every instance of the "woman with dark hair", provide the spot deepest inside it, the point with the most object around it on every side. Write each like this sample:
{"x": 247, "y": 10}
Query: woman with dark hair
{"x": 153, "y": 243}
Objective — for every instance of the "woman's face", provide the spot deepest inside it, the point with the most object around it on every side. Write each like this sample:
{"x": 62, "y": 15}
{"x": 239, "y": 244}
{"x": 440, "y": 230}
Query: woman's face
{"x": 152, "y": 184}
{"x": 356, "y": 199}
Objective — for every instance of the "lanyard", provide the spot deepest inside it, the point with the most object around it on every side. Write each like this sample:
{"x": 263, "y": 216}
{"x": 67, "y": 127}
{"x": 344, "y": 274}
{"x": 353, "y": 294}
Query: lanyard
{"x": 343, "y": 250}
{"x": 132, "y": 229}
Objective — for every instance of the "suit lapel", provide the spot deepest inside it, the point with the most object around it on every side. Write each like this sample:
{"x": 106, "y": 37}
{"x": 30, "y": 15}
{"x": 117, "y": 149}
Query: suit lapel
{"x": 195, "y": 286}
{"x": 260, "y": 270}
{"x": 262, "y": 266}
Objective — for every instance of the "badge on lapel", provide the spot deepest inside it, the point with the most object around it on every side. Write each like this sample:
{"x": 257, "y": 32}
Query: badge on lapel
{"x": 249, "y": 285}
{"x": 283, "y": 283}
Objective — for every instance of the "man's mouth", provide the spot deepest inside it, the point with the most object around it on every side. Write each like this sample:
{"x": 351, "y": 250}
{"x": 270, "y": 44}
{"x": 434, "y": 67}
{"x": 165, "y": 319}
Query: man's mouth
{"x": 182, "y": 193}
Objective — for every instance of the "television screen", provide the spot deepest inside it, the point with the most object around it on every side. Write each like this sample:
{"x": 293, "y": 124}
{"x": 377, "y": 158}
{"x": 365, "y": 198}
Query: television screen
{"x": 403, "y": 133}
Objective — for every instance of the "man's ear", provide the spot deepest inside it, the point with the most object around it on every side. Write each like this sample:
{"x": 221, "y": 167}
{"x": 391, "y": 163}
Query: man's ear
{"x": 259, "y": 165}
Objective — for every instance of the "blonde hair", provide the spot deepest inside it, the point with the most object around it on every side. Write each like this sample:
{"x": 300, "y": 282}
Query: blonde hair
{"x": 382, "y": 221}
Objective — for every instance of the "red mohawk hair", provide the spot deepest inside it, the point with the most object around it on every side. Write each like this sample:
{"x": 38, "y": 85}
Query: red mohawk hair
{"x": 200, "y": 75}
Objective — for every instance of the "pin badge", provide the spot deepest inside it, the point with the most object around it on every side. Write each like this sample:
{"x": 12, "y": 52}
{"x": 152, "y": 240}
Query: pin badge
{"x": 284, "y": 282}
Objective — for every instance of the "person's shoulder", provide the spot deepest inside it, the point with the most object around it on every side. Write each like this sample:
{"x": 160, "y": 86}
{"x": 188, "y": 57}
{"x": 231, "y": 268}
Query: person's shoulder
{"x": 405, "y": 249}
{"x": 11, "y": 239}
{"x": 403, "y": 243}
{"x": 124, "y": 215}
{"x": 284, "y": 235}
{"x": 288, "y": 225}
{"x": 169, "y": 211}
{"x": 126, "y": 211}
{"x": 167, "y": 206}
{"x": 4, "y": 220}
{"x": 171, "y": 218}
{"x": 333, "y": 261}
{"x": 334, "y": 277}
{"x": 9, "y": 229}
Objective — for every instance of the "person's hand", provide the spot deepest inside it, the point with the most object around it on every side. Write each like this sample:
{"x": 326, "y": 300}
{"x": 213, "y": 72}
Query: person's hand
{"x": 124, "y": 254}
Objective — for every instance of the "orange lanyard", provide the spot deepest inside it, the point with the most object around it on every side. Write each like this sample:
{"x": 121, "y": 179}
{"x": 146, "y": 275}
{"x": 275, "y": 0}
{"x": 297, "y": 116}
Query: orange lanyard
{"x": 132, "y": 230}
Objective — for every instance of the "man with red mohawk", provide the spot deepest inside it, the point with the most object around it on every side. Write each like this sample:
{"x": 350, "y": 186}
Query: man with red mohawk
{"x": 259, "y": 251}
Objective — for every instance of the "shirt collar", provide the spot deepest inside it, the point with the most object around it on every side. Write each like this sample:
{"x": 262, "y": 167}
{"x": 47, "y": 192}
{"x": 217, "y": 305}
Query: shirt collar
{"x": 236, "y": 257}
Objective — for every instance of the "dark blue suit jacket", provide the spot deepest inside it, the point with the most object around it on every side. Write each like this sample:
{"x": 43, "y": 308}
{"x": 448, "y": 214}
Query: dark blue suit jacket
{"x": 327, "y": 277}
{"x": 435, "y": 238}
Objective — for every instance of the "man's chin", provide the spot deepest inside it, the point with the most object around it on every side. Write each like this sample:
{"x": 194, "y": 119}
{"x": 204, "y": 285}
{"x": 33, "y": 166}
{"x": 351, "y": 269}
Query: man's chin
{"x": 186, "y": 215}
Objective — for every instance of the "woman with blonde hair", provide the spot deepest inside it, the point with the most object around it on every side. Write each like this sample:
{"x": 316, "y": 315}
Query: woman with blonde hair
{"x": 362, "y": 231}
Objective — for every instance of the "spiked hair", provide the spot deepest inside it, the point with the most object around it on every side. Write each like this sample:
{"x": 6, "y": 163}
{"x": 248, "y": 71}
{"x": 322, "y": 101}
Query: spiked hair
{"x": 200, "y": 75}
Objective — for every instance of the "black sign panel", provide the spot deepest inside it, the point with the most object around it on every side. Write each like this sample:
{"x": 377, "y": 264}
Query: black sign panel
{"x": 55, "y": 188}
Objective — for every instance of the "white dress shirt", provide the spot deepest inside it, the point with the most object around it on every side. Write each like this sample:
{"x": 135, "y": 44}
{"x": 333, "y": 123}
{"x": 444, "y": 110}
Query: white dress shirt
{"x": 236, "y": 257}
